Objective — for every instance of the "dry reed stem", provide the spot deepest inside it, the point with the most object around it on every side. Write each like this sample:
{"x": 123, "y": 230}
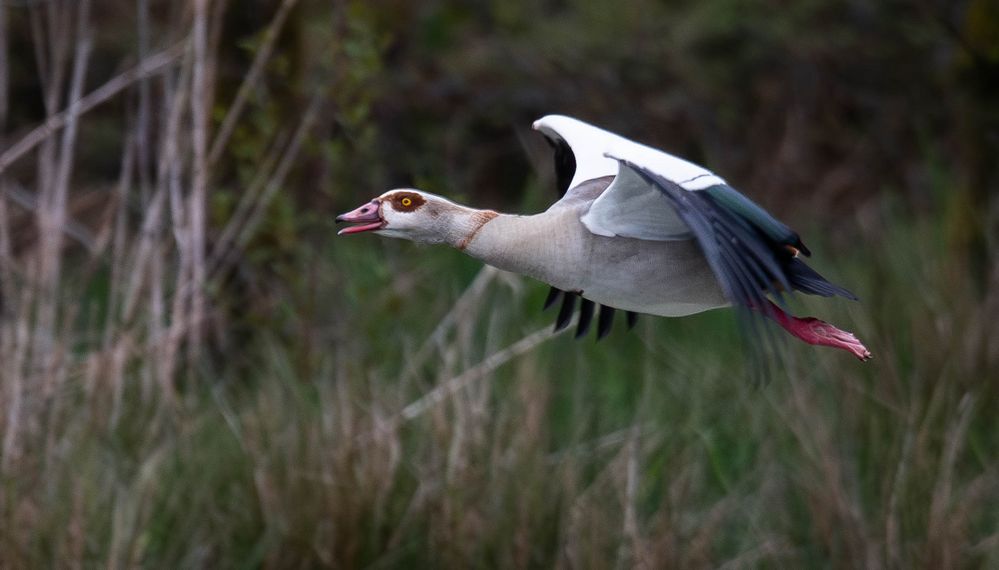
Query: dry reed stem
{"x": 50, "y": 33}
{"x": 893, "y": 540}
{"x": 71, "y": 228}
{"x": 201, "y": 103}
{"x": 57, "y": 15}
{"x": 7, "y": 264}
{"x": 115, "y": 290}
{"x": 118, "y": 238}
{"x": 491, "y": 363}
{"x": 472, "y": 295}
{"x": 47, "y": 352}
{"x": 146, "y": 260}
{"x": 939, "y": 524}
{"x": 630, "y": 549}
{"x": 143, "y": 112}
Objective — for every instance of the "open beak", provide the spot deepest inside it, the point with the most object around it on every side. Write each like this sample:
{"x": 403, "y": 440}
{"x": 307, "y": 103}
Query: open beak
{"x": 368, "y": 217}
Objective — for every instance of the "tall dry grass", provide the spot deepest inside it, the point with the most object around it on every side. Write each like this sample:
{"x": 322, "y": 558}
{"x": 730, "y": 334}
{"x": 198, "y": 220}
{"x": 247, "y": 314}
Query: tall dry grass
{"x": 109, "y": 313}
{"x": 148, "y": 236}
{"x": 406, "y": 414}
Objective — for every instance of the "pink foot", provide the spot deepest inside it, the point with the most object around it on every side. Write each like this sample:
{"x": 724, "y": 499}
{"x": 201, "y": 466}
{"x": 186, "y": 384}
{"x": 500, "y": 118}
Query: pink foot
{"x": 817, "y": 332}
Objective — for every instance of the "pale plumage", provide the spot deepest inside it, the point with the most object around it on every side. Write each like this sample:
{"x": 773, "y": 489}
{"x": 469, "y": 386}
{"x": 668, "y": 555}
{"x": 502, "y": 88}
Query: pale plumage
{"x": 635, "y": 229}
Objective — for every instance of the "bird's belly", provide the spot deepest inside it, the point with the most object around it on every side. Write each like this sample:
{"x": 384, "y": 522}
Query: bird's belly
{"x": 663, "y": 306}
{"x": 669, "y": 278}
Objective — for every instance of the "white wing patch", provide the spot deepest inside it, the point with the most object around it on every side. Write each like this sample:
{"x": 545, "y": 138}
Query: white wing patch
{"x": 632, "y": 208}
{"x": 629, "y": 207}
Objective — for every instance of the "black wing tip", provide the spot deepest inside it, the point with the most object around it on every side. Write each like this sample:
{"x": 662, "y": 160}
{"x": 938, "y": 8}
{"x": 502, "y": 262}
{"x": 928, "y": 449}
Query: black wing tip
{"x": 846, "y": 294}
{"x": 807, "y": 280}
{"x": 632, "y": 319}
{"x": 565, "y": 165}
{"x": 553, "y": 295}
{"x": 605, "y": 315}
{"x": 585, "y": 317}
{"x": 565, "y": 313}
{"x": 605, "y": 321}
{"x": 800, "y": 246}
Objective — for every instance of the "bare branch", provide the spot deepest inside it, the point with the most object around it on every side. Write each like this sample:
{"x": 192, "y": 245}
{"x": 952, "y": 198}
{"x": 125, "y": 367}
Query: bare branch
{"x": 28, "y": 201}
{"x": 494, "y": 361}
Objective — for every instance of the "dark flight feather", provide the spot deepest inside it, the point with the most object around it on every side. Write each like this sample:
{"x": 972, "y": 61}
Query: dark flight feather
{"x": 553, "y": 295}
{"x": 632, "y": 318}
{"x": 565, "y": 165}
{"x": 605, "y": 321}
{"x": 565, "y": 313}
{"x": 807, "y": 280}
{"x": 585, "y": 317}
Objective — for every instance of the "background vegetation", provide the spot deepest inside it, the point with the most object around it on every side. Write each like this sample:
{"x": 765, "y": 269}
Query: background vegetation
{"x": 194, "y": 372}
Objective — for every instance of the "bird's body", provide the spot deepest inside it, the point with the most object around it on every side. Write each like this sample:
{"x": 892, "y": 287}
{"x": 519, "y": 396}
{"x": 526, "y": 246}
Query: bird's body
{"x": 635, "y": 229}
{"x": 663, "y": 278}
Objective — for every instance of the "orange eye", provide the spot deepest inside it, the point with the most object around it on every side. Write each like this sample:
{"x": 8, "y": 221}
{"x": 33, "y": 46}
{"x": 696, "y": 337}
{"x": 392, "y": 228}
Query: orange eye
{"x": 406, "y": 202}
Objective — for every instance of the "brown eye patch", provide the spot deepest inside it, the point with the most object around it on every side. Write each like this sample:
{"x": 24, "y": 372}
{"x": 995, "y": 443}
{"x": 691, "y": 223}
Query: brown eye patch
{"x": 406, "y": 201}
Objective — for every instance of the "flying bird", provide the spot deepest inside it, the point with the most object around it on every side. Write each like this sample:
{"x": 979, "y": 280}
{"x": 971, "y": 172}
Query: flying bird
{"x": 635, "y": 229}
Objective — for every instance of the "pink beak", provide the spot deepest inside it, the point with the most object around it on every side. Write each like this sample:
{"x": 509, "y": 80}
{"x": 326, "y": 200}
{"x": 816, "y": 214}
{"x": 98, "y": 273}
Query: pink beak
{"x": 368, "y": 216}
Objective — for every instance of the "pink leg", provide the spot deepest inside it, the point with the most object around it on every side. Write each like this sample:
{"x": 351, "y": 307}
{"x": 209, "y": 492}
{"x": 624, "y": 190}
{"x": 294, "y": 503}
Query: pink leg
{"x": 814, "y": 331}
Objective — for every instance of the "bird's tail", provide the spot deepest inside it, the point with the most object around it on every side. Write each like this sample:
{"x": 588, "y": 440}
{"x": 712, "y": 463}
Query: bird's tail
{"x": 805, "y": 279}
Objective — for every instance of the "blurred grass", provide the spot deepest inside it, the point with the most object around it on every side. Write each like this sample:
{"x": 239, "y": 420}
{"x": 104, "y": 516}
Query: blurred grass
{"x": 649, "y": 448}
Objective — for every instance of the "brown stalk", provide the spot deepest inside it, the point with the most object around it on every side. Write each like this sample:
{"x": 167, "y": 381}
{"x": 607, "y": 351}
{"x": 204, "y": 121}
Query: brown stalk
{"x": 630, "y": 549}
{"x": 165, "y": 342}
{"x": 115, "y": 292}
{"x": 491, "y": 363}
{"x": 144, "y": 262}
{"x": 899, "y": 481}
{"x": 201, "y": 102}
{"x": 462, "y": 307}
{"x": 49, "y": 352}
{"x": 939, "y": 525}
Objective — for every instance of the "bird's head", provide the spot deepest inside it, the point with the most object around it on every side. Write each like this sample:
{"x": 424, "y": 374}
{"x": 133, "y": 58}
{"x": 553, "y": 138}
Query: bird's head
{"x": 404, "y": 213}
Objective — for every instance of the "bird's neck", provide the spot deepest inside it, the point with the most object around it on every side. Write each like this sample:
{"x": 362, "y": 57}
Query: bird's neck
{"x": 521, "y": 244}
{"x": 464, "y": 224}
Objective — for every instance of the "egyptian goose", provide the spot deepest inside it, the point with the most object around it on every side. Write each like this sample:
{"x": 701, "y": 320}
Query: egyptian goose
{"x": 636, "y": 229}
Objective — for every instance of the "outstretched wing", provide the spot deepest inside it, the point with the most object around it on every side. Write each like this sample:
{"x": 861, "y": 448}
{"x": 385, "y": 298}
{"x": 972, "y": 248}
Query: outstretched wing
{"x": 751, "y": 253}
